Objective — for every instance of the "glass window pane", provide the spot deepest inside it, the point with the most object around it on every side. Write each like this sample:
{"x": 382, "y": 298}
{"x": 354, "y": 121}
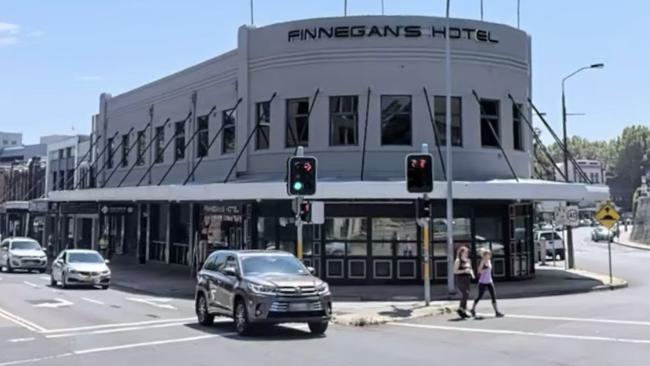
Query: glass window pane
{"x": 407, "y": 249}
{"x": 357, "y": 249}
{"x": 263, "y": 111}
{"x": 343, "y": 120}
{"x": 336, "y": 248}
{"x": 382, "y": 249}
{"x": 228, "y": 135}
{"x": 489, "y": 228}
{"x": 297, "y": 131}
{"x": 395, "y": 120}
{"x": 394, "y": 229}
{"x": 346, "y": 228}
{"x": 462, "y": 230}
{"x": 441, "y": 121}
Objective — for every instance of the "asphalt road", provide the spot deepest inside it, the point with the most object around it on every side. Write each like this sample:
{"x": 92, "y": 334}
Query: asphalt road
{"x": 41, "y": 325}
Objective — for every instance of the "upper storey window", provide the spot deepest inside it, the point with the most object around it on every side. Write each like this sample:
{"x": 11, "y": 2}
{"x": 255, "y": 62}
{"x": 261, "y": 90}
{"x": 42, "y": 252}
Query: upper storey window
{"x": 344, "y": 120}
{"x": 490, "y": 135}
{"x": 396, "y": 120}
{"x": 297, "y": 133}
{"x": 440, "y": 108}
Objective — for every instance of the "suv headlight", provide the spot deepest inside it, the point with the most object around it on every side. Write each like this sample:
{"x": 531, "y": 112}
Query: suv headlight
{"x": 323, "y": 288}
{"x": 73, "y": 271}
{"x": 106, "y": 272}
{"x": 262, "y": 290}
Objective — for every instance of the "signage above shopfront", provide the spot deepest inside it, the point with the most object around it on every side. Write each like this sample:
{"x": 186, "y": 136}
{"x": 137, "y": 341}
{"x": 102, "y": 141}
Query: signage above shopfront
{"x": 391, "y": 31}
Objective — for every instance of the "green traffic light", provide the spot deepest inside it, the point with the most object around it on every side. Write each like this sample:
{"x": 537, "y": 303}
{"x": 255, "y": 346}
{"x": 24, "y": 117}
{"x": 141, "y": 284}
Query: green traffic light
{"x": 297, "y": 186}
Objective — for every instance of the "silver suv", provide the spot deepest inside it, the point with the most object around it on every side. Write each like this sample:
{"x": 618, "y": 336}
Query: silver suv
{"x": 22, "y": 253}
{"x": 254, "y": 287}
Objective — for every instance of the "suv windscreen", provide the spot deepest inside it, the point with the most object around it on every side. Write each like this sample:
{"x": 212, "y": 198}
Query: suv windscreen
{"x": 267, "y": 264}
{"x": 84, "y": 258}
{"x": 25, "y": 245}
{"x": 550, "y": 236}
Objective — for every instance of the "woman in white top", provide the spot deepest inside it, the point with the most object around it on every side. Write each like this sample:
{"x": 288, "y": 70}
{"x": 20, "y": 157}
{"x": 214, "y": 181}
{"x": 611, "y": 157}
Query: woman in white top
{"x": 485, "y": 282}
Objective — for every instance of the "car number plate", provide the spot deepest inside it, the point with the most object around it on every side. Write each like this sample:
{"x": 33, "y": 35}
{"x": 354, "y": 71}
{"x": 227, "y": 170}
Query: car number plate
{"x": 299, "y": 307}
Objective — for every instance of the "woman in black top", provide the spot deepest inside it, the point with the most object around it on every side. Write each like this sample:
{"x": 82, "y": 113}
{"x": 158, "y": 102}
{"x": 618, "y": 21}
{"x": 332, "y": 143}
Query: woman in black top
{"x": 464, "y": 276}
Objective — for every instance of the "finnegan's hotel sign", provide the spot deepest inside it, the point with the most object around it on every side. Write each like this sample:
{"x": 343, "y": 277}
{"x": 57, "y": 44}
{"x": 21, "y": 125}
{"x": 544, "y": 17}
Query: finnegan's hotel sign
{"x": 390, "y": 31}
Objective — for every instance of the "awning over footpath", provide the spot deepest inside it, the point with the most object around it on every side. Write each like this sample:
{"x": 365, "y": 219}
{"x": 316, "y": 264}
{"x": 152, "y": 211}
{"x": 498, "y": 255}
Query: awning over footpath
{"x": 536, "y": 190}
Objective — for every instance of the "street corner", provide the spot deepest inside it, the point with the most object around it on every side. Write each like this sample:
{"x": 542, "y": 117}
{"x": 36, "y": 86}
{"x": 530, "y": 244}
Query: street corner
{"x": 615, "y": 283}
{"x": 389, "y": 313}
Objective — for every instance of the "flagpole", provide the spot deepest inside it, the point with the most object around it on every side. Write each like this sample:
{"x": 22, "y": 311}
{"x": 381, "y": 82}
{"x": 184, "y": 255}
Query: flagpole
{"x": 481, "y": 10}
{"x": 518, "y": 8}
{"x": 382, "y": 7}
{"x": 345, "y": 8}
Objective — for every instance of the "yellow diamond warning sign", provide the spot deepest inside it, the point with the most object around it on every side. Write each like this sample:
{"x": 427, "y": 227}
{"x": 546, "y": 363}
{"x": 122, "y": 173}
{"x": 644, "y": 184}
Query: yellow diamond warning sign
{"x": 607, "y": 215}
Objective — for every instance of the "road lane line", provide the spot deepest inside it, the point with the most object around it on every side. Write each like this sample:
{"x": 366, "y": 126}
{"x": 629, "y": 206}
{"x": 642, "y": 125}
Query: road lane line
{"x": 44, "y": 278}
{"x": 523, "y": 333}
{"x": 149, "y": 344}
{"x": 19, "y": 340}
{"x": 156, "y": 302}
{"x": 33, "y": 360}
{"x": 31, "y": 284}
{"x": 116, "y": 330}
{"x": 22, "y": 322}
{"x": 92, "y": 301}
{"x": 581, "y": 320}
{"x": 117, "y": 325}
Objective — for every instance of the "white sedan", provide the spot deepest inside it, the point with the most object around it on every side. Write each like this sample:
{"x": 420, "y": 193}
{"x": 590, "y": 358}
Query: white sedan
{"x": 80, "y": 267}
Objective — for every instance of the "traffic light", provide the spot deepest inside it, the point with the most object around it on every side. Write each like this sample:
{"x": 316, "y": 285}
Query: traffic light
{"x": 302, "y": 176}
{"x": 419, "y": 173}
{"x": 305, "y": 211}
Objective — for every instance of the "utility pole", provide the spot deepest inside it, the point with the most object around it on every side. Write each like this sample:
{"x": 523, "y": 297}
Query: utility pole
{"x": 450, "y": 200}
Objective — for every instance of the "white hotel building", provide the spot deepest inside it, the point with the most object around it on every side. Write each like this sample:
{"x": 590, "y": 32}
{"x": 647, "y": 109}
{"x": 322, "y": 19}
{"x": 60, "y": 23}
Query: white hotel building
{"x": 359, "y": 93}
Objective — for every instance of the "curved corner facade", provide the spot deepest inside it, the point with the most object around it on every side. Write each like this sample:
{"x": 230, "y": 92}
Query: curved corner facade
{"x": 335, "y": 85}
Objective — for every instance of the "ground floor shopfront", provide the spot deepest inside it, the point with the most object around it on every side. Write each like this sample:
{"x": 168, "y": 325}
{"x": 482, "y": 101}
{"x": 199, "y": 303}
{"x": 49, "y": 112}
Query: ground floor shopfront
{"x": 360, "y": 242}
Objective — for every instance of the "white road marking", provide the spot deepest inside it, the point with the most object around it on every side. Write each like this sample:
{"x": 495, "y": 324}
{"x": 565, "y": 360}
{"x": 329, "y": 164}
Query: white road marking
{"x": 116, "y": 330}
{"x": 20, "y": 321}
{"x": 524, "y": 333}
{"x": 54, "y": 305}
{"x": 117, "y": 325}
{"x": 148, "y": 344}
{"x": 31, "y": 284}
{"x": 33, "y": 360}
{"x": 582, "y": 320}
{"x": 92, "y": 301}
{"x": 19, "y": 340}
{"x": 44, "y": 278}
{"x": 156, "y": 302}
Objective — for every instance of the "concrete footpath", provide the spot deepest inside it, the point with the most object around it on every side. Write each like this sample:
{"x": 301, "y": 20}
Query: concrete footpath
{"x": 363, "y": 305}
{"x": 624, "y": 239}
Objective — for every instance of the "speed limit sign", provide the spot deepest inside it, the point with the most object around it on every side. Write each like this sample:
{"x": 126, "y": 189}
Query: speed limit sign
{"x": 572, "y": 216}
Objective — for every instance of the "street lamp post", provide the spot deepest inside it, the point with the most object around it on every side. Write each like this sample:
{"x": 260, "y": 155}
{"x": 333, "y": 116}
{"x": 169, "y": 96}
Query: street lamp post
{"x": 569, "y": 232}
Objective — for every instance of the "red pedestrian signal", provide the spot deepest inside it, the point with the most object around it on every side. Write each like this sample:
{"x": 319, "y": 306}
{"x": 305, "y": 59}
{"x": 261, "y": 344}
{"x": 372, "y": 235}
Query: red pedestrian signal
{"x": 301, "y": 176}
{"x": 419, "y": 173}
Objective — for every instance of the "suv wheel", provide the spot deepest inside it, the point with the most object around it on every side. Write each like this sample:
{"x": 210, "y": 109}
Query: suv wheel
{"x": 9, "y": 269}
{"x": 202, "y": 314}
{"x": 318, "y": 327}
{"x": 241, "y": 318}
{"x": 52, "y": 281}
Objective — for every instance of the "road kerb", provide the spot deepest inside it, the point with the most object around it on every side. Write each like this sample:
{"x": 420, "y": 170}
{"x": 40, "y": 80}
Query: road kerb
{"x": 392, "y": 313}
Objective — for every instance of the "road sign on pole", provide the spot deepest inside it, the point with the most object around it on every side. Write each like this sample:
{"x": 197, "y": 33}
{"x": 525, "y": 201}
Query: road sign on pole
{"x": 572, "y": 214}
{"x": 607, "y": 215}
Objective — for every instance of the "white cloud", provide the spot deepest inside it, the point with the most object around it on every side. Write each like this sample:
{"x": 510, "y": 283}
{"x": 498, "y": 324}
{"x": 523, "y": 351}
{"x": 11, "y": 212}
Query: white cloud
{"x": 8, "y": 34}
{"x": 89, "y": 78}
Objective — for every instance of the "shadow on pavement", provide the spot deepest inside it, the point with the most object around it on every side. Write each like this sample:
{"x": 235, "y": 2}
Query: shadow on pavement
{"x": 397, "y": 312}
{"x": 276, "y": 333}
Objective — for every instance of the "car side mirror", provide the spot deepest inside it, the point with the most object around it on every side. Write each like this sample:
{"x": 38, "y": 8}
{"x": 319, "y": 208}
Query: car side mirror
{"x": 106, "y": 261}
{"x": 311, "y": 270}
{"x": 230, "y": 271}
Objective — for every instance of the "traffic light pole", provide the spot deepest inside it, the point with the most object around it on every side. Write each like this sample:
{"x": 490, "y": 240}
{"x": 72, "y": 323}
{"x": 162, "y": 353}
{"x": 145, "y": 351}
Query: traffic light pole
{"x": 299, "y": 249}
{"x": 425, "y": 239}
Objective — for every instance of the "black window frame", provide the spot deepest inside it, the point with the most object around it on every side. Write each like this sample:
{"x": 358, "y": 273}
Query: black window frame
{"x": 263, "y": 123}
{"x": 292, "y": 141}
{"x": 203, "y": 136}
{"x": 179, "y": 140}
{"x": 440, "y": 119}
{"x": 110, "y": 157}
{"x": 124, "y": 161}
{"x": 337, "y": 114}
{"x": 139, "y": 159}
{"x": 229, "y": 132}
{"x": 486, "y": 134}
{"x": 55, "y": 180}
{"x": 384, "y": 123}
{"x": 159, "y": 154}
{"x": 517, "y": 131}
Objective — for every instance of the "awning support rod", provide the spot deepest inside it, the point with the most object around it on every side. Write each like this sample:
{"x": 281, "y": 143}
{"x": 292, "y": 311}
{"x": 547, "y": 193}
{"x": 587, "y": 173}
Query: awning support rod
{"x": 365, "y": 137}
{"x": 89, "y": 171}
{"x": 90, "y": 149}
{"x": 537, "y": 138}
{"x": 187, "y": 143}
{"x": 128, "y": 152}
{"x": 436, "y": 133}
{"x": 559, "y": 142}
{"x": 212, "y": 141}
{"x": 146, "y": 149}
{"x": 111, "y": 152}
{"x": 248, "y": 140}
{"x": 496, "y": 138}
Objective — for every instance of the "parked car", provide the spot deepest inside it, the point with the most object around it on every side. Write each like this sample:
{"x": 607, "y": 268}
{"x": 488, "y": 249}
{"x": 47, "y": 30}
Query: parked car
{"x": 255, "y": 287}
{"x": 554, "y": 244}
{"x": 80, "y": 267}
{"x": 601, "y": 233}
{"x": 22, "y": 253}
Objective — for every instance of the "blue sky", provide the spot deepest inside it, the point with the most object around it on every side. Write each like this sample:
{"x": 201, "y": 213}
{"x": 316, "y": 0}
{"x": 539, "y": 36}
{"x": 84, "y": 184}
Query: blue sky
{"x": 56, "y": 57}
